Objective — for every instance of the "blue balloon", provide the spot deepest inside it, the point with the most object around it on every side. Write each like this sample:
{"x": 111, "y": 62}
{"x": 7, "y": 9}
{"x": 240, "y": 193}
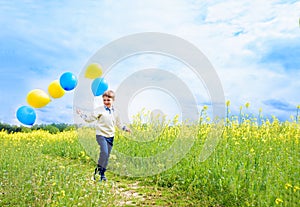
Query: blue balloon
{"x": 26, "y": 115}
{"x": 99, "y": 86}
{"x": 68, "y": 81}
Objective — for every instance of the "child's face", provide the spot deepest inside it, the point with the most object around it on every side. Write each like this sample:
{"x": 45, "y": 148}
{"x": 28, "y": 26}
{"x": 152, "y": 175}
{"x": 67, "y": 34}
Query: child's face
{"x": 107, "y": 101}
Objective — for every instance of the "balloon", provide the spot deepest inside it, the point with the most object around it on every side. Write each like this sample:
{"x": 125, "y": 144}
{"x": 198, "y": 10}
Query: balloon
{"x": 99, "y": 86}
{"x": 93, "y": 71}
{"x": 55, "y": 90}
{"x": 38, "y": 98}
{"x": 68, "y": 81}
{"x": 26, "y": 115}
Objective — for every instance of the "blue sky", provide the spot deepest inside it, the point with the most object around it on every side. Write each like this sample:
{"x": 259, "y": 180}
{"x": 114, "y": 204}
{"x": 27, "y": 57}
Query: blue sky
{"x": 254, "y": 47}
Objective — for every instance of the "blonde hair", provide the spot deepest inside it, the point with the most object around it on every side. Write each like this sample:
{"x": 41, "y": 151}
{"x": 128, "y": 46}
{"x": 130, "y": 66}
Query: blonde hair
{"x": 109, "y": 94}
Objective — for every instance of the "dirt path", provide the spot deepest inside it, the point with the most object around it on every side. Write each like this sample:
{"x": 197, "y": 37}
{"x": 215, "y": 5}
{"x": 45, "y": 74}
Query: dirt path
{"x": 130, "y": 195}
{"x": 134, "y": 193}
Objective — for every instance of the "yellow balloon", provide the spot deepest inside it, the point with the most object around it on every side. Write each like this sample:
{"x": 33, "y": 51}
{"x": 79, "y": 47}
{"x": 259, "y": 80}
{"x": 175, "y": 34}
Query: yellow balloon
{"x": 93, "y": 71}
{"x": 55, "y": 90}
{"x": 38, "y": 98}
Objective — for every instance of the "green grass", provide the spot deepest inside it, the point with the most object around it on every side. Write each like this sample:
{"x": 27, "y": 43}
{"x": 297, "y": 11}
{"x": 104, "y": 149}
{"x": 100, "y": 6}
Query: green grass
{"x": 251, "y": 166}
{"x": 41, "y": 169}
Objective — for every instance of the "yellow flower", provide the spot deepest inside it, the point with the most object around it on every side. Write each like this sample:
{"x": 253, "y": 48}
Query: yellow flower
{"x": 287, "y": 186}
{"x": 113, "y": 157}
{"x": 298, "y": 107}
{"x": 227, "y": 103}
{"x": 278, "y": 201}
{"x": 63, "y": 194}
{"x": 296, "y": 188}
{"x": 247, "y": 105}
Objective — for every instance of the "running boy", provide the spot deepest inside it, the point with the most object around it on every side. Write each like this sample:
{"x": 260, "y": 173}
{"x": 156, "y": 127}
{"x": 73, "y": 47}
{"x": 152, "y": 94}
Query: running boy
{"x": 107, "y": 119}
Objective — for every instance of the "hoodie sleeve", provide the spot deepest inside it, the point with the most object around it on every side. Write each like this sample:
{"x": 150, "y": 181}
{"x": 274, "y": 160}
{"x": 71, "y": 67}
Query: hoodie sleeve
{"x": 90, "y": 117}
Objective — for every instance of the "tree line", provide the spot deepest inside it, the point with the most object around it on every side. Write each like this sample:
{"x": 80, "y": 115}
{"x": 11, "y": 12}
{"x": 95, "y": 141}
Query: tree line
{"x": 51, "y": 128}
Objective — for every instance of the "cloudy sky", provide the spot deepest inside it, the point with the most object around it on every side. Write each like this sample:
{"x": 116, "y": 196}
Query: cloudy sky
{"x": 253, "y": 45}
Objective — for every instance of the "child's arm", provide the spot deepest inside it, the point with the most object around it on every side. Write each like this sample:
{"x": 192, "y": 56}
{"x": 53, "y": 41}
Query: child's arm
{"x": 120, "y": 125}
{"x": 85, "y": 117}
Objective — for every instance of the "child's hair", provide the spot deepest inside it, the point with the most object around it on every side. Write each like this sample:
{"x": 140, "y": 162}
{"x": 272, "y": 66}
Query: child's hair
{"x": 109, "y": 94}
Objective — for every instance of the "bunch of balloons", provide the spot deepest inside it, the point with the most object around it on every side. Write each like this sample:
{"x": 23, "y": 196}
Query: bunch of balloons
{"x": 99, "y": 84}
{"x": 38, "y": 98}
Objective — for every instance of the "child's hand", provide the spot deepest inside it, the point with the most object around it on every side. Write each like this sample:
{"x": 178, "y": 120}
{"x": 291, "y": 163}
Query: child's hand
{"x": 78, "y": 111}
{"x": 126, "y": 129}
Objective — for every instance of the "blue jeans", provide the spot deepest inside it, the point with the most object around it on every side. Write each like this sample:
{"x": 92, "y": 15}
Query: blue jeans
{"x": 105, "y": 144}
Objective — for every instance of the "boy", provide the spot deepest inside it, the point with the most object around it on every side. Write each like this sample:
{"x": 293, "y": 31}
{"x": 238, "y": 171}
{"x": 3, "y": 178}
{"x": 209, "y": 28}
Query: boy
{"x": 107, "y": 118}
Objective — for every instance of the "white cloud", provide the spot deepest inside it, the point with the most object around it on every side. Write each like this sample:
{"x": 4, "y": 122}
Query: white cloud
{"x": 234, "y": 35}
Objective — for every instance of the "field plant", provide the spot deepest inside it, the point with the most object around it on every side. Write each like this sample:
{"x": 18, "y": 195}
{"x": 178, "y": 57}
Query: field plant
{"x": 256, "y": 163}
{"x": 43, "y": 169}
